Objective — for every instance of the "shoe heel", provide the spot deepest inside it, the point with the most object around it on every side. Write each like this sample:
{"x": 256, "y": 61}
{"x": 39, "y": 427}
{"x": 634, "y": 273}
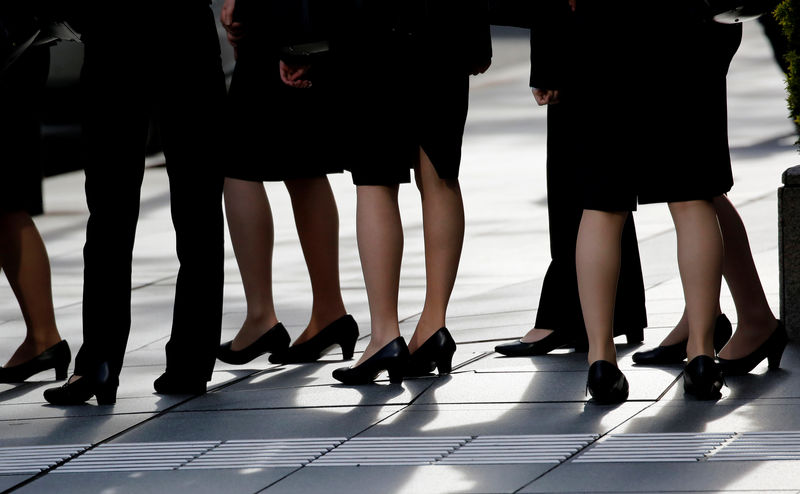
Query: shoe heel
{"x": 106, "y": 395}
{"x": 396, "y": 375}
{"x": 348, "y": 348}
{"x": 634, "y": 336}
{"x": 774, "y": 357}
{"x": 445, "y": 365}
{"x": 61, "y": 372}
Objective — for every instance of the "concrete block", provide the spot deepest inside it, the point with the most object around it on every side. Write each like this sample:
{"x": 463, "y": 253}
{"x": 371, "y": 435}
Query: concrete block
{"x": 789, "y": 249}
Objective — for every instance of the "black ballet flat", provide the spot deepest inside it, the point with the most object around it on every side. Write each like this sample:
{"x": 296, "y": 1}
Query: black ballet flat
{"x": 342, "y": 332}
{"x": 436, "y": 352}
{"x": 675, "y": 353}
{"x": 100, "y": 385}
{"x": 392, "y": 358}
{"x": 56, "y": 357}
{"x": 276, "y": 339}
{"x": 606, "y": 383}
{"x": 519, "y": 348}
{"x": 772, "y": 350}
{"x": 702, "y": 378}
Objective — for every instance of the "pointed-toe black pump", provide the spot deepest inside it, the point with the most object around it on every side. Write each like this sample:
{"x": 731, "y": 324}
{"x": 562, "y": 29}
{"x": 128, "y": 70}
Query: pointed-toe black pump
{"x": 342, "y": 332}
{"x": 276, "y": 339}
{"x": 772, "y": 350}
{"x": 392, "y": 358}
{"x": 56, "y": 357}
{"x": 606, "y": 383}
{"x": 675, "y": 353}
{"x": 98, "y": 384}
{"x": 519, "y": 348}
{"x": 436, "y": 353}
{"x": 702, "y": 378}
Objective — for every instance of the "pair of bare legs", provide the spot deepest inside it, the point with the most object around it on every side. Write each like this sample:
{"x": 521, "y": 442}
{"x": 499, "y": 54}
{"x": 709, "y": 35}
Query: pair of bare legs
{"x": 700, "y": 259}
{"x": 24, "y": 259}
{"x": 380, "y": 247}
{"x": 252, "y": 234}
{"x": 755, "y": 318}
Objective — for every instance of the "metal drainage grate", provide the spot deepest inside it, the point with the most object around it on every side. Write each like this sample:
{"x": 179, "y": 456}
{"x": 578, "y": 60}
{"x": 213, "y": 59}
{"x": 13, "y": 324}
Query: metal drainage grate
{"x": 263, "y": 453}
{"x": 372, "y": 451}
{"x": 519, "y": 449}
{"x": 760, "y": 446}
{"x": 669, "y": 447}
{"x": 33, "y": 459}
{"x": 125, "y": 457}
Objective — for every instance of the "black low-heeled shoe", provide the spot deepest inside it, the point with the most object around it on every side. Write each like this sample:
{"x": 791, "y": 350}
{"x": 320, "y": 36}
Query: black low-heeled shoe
{"x": 606, "y": 383}
{"x": 772, "y": 350}
{"x": 342, "y": 332}
{"x": 702, "y": 378}
{"x": 519, "y": 348}
{"x": 392, "y": 358}
{"x": 100, "y": 385}
{"x": 276, "y": 339}
{"x": 436, "y": 352}
{"x": 56, "y": 357}
{"x": 675, "y": 353}
{"x": 170, "y": 383}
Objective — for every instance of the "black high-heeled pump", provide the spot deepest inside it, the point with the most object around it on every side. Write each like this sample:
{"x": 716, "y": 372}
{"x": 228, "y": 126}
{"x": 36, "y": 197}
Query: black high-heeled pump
{"x": 520, "y": 348}
{"x": 772, "y": 350}
{"x": 436, "y": 352}
{"x": 342, "y": 332}
{"x": 100, "y": 385}
{"x": 56, "y": 357}
{"x": 392, "y": 358}
{"x": 276, "y": 339}
{"x": 675, "y": 353}
{"x": 702, "y": 378}
{"x": 606, "y": 383}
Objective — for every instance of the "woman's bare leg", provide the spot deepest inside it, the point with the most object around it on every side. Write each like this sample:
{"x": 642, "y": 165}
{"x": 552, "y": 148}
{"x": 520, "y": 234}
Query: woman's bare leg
{"x": 380, "y": 246}
{"x": 24, "y": 259}
{"x": 700, "y": 255}
{"x": 317, "y": 221}
{"x": 755, "y": 318}
{"x": 252, "y": 235}
{"x": 443, "y": 229}
{"x": 597, "y": 258}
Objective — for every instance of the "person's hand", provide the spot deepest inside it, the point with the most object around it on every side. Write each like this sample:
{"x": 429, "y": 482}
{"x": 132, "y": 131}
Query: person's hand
{"x": 234, "y": 30}
{"x": 292, "y": 75}
{"x": 481, "y": 67}
{"x": 546, "y": 96}
{"x": 572, "y": 4}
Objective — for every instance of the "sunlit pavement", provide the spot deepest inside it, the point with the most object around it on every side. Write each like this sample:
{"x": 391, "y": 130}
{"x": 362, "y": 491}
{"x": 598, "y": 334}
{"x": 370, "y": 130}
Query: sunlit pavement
{"x": 496, "y": 424}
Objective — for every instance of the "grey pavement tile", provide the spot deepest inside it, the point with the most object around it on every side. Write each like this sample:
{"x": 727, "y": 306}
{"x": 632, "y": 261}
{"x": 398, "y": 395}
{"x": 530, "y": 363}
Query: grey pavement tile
{"x": 197, "y": 481}
{"x": 260, "y": 424}
{"x": 9, "y": 481}
{"x": 726, "y": 415}
{"x": 309, "y": 396}
{"x": 506, "y": 419}
{"x": 70, "y": 430}
{"x": 468, "y": 387}
{"x": 775, "y": 476}
{"x": 410, "y": 479}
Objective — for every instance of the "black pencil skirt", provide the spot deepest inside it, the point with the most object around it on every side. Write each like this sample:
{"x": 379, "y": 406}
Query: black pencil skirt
{"x": 655, "y": 122}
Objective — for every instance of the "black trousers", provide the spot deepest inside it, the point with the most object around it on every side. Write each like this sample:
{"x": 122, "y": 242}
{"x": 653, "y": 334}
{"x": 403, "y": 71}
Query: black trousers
{"x": 559, "y": 304}
{"x": 139, "y": 64}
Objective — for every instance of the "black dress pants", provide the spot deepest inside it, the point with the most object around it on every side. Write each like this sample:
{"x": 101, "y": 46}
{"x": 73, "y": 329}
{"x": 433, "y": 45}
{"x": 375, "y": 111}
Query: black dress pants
{"x": 139, "y": 63}
{"x": 559, "y": 304}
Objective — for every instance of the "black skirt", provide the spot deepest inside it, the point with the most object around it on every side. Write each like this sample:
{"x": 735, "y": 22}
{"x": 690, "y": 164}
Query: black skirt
{"x": 277, "y": 132}
{"x": 654, "y": 127}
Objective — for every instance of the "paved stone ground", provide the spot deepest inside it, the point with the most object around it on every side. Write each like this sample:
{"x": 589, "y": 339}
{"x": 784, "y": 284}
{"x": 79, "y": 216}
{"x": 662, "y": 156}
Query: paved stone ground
{"x": 494, "y": 425}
